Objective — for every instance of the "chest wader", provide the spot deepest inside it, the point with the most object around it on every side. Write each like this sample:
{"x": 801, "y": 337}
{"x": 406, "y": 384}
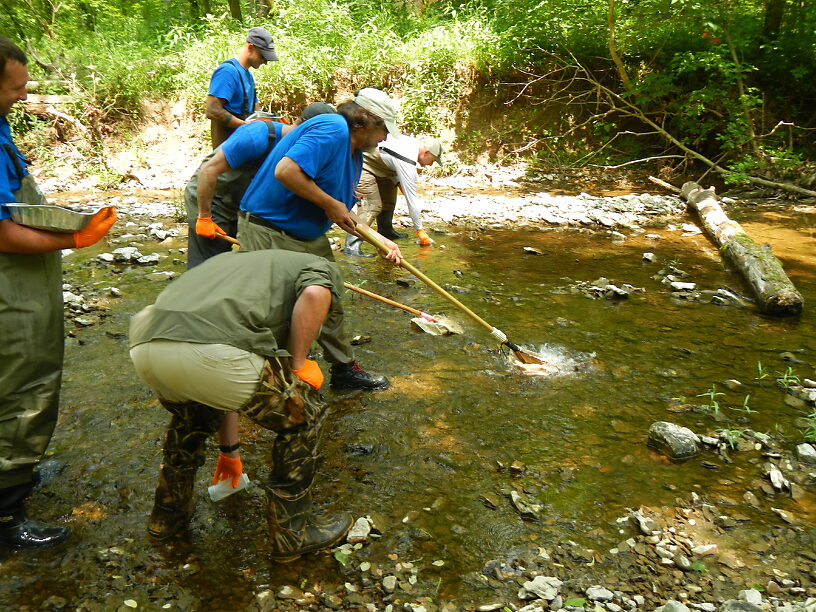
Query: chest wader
{"x": 31, "y": 353}
{"x": 296, "y": 413}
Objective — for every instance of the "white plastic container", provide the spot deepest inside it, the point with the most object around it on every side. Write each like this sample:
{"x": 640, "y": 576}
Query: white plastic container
{"x": 224, "y": 488}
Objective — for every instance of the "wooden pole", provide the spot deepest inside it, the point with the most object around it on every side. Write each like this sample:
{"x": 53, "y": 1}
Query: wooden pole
{"x": 773, "y": 289}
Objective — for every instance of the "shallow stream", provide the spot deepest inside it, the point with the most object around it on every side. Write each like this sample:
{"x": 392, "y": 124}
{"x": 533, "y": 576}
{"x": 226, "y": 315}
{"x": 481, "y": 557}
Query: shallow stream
{"x": 430, "y": 459}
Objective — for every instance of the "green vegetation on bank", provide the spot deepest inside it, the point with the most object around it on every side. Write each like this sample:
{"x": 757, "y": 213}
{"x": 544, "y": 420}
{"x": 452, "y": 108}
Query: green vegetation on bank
{"x": 564, "y": 82}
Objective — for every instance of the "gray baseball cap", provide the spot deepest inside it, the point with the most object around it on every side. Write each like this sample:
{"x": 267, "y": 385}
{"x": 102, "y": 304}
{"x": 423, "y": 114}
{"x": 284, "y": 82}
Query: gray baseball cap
{"x": 378, "y": 103}
{"x": 434, "y": 147}
{"x": 262, "y": 40}
{"x": 316, "y": 108}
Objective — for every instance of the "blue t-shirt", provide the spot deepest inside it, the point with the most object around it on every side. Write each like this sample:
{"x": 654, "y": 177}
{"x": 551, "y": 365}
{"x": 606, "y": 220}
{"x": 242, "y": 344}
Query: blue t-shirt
{"x": 322, "y": 148}
{"x": 9, "y": 180}
{"x": 248, "y": 143}
{"x": 235, "y": 84}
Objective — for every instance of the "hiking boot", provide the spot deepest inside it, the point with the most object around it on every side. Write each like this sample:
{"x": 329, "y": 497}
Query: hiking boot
{"x": 385, "y": 226}
{"x": 352, "y": 376}
{"x": 173, "y": 506}
{"x": 20, "y": 532}
{"x": 294, "y": 530}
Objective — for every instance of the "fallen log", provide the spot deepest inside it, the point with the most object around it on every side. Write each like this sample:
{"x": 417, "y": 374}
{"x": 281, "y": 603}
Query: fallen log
{"x": 773, "y": 289}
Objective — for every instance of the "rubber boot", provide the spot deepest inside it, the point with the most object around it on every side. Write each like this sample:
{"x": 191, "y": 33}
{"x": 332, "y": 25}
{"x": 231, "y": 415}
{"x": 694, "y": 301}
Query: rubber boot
{"x": 353, "y": 244}
{"x": 173, "y": 505}
{"x": 190, "y": 425}
{"x": 294, "y": 530}
{"x": 385, "y": 226}
{"x": 19, "y": 531}
{"x": 352, "y": 376}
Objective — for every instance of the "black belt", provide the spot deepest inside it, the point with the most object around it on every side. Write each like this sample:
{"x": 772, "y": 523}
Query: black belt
{"x": 264, "y": 223}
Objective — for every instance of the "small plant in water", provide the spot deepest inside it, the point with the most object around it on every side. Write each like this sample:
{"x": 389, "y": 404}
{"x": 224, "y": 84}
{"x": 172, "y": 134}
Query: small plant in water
{"x": 745, "y": 406}
{"x": 761, "y": 373}
{"x": 787, "y": 379}
{"x": 731, "y": 436}
{"x": 810, "y": 429}
{"x": 712, "y": 394}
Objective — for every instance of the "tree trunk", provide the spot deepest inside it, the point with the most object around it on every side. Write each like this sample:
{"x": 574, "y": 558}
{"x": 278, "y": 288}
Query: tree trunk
{"x": 774, "y": 10}
{"x": 195, "y": 13}
{"x": 774, "y": 291}
{"x": 235, "y": 10}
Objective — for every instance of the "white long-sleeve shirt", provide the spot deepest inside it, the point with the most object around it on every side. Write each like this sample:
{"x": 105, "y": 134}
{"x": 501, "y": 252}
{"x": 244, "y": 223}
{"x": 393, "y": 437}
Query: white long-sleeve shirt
{"x": 382, "y": 164}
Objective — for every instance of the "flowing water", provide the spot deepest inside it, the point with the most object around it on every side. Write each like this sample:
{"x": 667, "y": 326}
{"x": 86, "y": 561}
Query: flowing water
{"x": 426, "y": 458}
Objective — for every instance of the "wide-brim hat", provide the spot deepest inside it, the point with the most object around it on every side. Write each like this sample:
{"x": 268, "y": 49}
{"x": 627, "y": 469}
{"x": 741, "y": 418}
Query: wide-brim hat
{"x": 378, "y": 103}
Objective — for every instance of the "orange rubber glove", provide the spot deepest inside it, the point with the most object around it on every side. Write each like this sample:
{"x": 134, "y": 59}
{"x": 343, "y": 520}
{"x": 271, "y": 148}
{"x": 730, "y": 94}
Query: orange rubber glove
{"x": 310, "y": 373}
{"x": 206, "y": 227}
{"x": 97, "y": 227}
{"x": 228, "y": 467}
{"x": 424, "y": 240}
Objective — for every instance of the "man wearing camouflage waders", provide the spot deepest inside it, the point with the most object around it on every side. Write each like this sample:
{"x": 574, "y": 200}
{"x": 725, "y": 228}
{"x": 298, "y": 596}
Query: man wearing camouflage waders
{"x": 232, "y": 334}
{"x": 31, "y": 323}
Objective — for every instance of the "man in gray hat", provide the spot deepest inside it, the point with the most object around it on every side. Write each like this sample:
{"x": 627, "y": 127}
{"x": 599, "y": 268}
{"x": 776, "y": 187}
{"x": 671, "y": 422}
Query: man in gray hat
{"x": 393, "y": 163}
{"x": 231, "y": 97}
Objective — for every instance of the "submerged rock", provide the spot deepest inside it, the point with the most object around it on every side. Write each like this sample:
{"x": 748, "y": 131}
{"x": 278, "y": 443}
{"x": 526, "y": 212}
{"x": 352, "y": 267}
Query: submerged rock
{"x": 678, "y": 443}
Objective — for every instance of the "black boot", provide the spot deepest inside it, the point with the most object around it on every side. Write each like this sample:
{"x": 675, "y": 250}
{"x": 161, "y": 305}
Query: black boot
{"x": 19, "y": 531}
{"x": 353, "y": 247}
{"x": 294, "y": 530}
{"x": 385, "y": 226}
{"x": 352, "y": 376}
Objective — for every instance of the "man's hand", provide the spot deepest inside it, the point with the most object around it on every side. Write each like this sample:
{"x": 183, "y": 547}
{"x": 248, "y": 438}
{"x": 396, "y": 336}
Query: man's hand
{"x": 228, "y": 468}
{"x": 338, "y": 214}
{"x": 393, "y": 253}
{"x": 206, "y": 227}
{"x": 97, "y": 227}
{"x": 310, "y": 373}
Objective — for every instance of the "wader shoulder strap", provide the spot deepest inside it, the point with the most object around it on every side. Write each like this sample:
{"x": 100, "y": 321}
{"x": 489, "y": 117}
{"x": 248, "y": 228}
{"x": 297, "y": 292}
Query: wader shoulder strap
{"x": 14, "y": 160}
{"x": 245, "y": 104}
{"x": 398, "y": 156}
{"x": 271, "y": 138}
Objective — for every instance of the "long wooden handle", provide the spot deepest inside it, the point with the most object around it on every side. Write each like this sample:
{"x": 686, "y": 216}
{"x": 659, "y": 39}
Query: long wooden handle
{"x": 385, "y": 300}
{"x": 229, "y": 239}
{"x": 365, "y": 233}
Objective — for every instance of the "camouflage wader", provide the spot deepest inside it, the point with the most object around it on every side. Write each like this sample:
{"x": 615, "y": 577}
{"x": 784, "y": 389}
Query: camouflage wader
{"x": 296, "y": 413}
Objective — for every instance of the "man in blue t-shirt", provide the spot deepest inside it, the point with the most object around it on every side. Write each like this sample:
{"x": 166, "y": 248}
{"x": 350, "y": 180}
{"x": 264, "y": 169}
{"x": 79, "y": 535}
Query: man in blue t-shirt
{"x": 214, "y": 191}
{"x": 31, "y": 322}
{"x": 306, "y": 184}
{"x": 231, "y": 97}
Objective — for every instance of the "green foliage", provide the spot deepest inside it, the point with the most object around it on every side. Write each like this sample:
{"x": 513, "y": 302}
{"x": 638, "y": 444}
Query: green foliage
{"x": 712, "y": 394}
{"x": 787, "y": 378}
{"x": 731, "y": 436}
{"x": 810, "y": 428}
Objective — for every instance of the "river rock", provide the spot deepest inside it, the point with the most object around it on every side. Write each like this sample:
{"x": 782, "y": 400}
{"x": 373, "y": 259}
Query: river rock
{"x": 673, "y": 606}
{"x": 389, "y": 584}
{"x": 736, "y": 605}
{"x": 599, "y": 593}
{"x": 806, "y": 453}
{"x": 126, "y": 254}
{"x": 678, "y": 443}
{"x": 752, "y": 596}
{"x": 360, "y": 531}
{"x": 540, "y": 587}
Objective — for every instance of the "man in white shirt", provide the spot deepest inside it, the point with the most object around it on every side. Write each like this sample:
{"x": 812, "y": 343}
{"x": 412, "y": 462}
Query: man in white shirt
{"x": 393, "y": 163}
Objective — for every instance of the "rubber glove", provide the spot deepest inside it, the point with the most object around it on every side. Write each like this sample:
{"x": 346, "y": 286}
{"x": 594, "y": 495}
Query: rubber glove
{"x": 97, "y": 227}
{"x": 310, "y": 373}
{"x": 228, "y": 467}
{"x": 424, "y": 240}
{"x": 206, "y": 227}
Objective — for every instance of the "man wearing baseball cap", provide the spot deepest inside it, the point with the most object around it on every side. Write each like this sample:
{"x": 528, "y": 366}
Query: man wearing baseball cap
{"x": 306, "y": 184}
{"x": 231, "y": 97}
